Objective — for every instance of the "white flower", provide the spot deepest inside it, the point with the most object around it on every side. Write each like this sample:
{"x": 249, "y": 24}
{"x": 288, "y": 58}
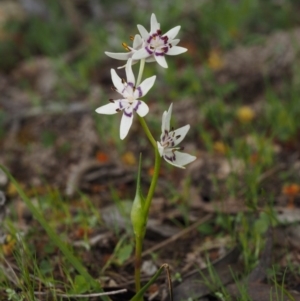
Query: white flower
{"x": 130, "y": 98}
{"x": 169, "y": 139}
{"x": 156, "y": 45}
{"x": 137, "y": 44}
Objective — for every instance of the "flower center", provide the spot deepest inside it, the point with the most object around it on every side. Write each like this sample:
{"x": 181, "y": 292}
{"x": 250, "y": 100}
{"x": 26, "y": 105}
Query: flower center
{"x": 158, "y": 43}
{"x": 128, "y": 92}
{"x": 167, "y": 140}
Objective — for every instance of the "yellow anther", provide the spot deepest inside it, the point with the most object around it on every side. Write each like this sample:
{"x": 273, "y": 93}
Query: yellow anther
{"x": 125, "y": 46}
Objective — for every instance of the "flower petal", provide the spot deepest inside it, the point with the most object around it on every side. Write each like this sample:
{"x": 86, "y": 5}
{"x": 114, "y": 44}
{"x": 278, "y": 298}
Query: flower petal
{"x": 160, "y": 149}
{"x": 180, "y": 159}
{"x": 175, "y": 50}
{"x": 133, "y": 63}
{"x": 109, "y": 109}
{"x": 144, "y": 33}
{"x": 119, "y": 56}
{"x": 175, "y": 42}
{"x": 154, "y": 25}
{"x": 137, "y": 41}
{"x": 166, "y": 120}
{"x": 141, "y": 108}
{"x": 117, "y": 81}
{"x": 161, "y": 60}
{"x": 145, "y": 86}
{"x": 126, "y": 123}
{"x": 150, "y": 59}
{"x": 129, "y": 73}
{"x": 172, "y": 33}
{"x": 140, "y": 54}
{"x": 181, "y": 133}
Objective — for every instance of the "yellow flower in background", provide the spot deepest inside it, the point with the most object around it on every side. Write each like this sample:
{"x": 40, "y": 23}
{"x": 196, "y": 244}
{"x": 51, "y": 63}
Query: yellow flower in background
{"x": 215, "y": 61}
{"x": 245, "y": 114}
{"x": 128, "y": 158}
{"x": 220, "y": 147}
{"x": 8, "y": 245}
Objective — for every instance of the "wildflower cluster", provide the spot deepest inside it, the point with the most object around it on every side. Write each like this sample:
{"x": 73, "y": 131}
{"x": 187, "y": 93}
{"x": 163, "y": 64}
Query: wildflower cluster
{"x": 147, "y": 47}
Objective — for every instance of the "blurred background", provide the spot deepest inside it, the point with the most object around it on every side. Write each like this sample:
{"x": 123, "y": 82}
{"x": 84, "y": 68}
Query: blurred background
{"x": 238, "y": 86}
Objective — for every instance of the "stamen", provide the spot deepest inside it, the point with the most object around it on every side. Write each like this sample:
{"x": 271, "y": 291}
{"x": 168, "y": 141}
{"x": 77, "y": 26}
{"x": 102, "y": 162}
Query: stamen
{"x": 178, "y": 136}
{"x": 131, "y": 38}
{"x": 125, "y": 46}
{"x": 113, "y": 88}
{"x": 118, "y": 110}
{"x": 123, "y": 81}
{"x": 111, "y": 100}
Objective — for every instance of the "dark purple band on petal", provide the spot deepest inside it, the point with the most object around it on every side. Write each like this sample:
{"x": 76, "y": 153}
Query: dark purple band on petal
{"x": 165, "y": 39}
{"x": 172, "y": 158}
{"x": 140, "y": 91}
{"x": 130, "y": 84}
{"x": 120, "y": 105}
{"x": 159, "y": 54}
{"x": 137, "y": 105}
{"x": 128, "y": 114}
{"x": 148, "y": 50}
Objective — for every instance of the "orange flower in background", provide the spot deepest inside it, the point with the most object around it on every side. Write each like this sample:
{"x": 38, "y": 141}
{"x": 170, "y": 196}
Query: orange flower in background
{"x": 151, "y": 171}
{"x": 82, "y": 232}
{"x": 102, "y": 157}
{"x": 291, "y": 191}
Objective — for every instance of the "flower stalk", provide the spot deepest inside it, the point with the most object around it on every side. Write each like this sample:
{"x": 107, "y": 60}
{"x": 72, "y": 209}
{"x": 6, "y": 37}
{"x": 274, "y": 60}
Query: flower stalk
{"x": 147, "y": 47}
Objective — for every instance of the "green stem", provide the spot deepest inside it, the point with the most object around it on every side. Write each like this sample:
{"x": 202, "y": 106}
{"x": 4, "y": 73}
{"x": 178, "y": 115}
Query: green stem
{"x": 147, "y": 131}
{"x": 140, "y": 237}
{"x": 153, "y": 181}
{"x": 141, "y": 70}
{"x": 138, "y": 261}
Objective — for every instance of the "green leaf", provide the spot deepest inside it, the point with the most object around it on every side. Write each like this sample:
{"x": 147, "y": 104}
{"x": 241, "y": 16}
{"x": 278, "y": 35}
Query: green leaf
{"x": 124, "y": 253}
{"x": 80, "y": 285}
{"x": 139, "y": 295}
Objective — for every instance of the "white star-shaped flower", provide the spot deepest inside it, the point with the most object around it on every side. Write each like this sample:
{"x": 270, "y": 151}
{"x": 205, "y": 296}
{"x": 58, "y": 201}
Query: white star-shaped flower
{"x": 151, "y": 46}
{"x": 169, "y": 140}
{"x": 130, "y": 98}
{"x": 156, "y": 44}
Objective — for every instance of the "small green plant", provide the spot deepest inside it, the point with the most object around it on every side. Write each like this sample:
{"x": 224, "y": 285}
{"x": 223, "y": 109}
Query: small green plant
{"x": 13, "y": 296}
